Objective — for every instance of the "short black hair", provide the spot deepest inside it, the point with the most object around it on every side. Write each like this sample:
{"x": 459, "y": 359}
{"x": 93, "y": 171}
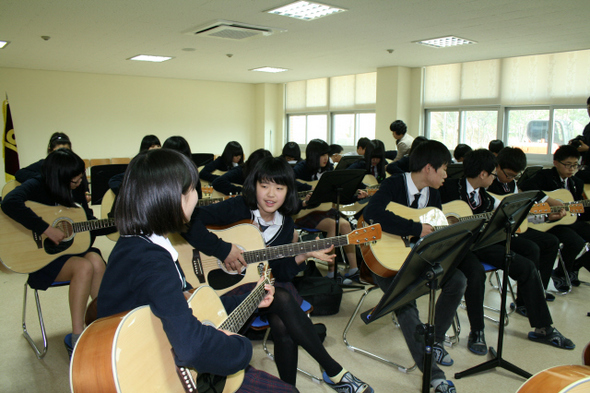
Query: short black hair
{"x": 399, "y": 127}
{"x": 461, "y": 150}
{"x": 479, "y": 160}
{"x": 149, "y": 141}
{"x": 588, "y": 101}
{"x": 495, "y": 146}
{"x": 292, "y": 149}
{"x": 314, "y": 150}
{"x": 58, "y": 169}
{"x": 231, "y": 150}
{"x": 417, "y": 141}
{"x": 335, "y": 149}
{"x": 150, "y": 199}
{"x": 430, "y": 152}
{"x": 179, "y": 144}
{"x": 253, "y": 159}
{"x": 58, "y": 138}
{"x": 363, "y": 142}
{"x": 274, "y": 170}
{"x": 564, "y": 152}
{"x": 512, "y": 158}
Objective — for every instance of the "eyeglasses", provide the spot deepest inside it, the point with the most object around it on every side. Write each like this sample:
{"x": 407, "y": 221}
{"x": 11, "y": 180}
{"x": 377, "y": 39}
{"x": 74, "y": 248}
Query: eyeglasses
{"x": 494, "y": 174}
{"x": 76, "y": 182}
{"x": 570, "y": 166}
{"x": 510, "y": 177}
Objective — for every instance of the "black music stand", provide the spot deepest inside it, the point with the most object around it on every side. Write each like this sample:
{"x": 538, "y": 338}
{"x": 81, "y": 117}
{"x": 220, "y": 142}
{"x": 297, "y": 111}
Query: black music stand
{"x": 337, "y": 187}
{"x": 506, "y": 219}
{"x": 431, "y": 261}
{"x": 346, "y": 161}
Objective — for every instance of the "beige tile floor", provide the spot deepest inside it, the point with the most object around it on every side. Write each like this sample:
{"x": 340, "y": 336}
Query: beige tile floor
{"x": 21, "y": 371}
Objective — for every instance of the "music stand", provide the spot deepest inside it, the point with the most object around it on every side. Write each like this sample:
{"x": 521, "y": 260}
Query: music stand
{"x": 431, "y": 261}
{"x": 506, "y": 219}
{"x": 346, "y": 161}
{"x": 337, "y": 187}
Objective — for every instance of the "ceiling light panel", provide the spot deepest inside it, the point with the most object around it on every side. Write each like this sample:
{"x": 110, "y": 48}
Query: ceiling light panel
{"x": 443, "y": 42}
{"x": 151, "y": 58}
{"x": 269, "y": 69}
{"x": 306, "y": 10}
{"x": 3, "y": 44}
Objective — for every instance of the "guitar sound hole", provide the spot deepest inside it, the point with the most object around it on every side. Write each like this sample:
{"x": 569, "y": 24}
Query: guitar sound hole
{"x": 52, "y": 248}
{"x": 65, "y": 227}
{"x": 218, "y": 279}
{"x": 452, "y": 220}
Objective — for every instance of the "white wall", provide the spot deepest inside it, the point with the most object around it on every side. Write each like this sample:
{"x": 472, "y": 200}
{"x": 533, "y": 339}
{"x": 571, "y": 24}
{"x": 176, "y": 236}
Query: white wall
{"x": 107, "y": 115}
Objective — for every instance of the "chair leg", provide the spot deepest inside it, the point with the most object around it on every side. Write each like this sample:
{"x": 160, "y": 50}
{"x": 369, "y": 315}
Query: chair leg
{"x": 362, "y": 351}
{"x": 566, "y": 275}
{"x": 454, "y": 339}
{"x": 314, "y": 378}
{"x": 40, "y": 354}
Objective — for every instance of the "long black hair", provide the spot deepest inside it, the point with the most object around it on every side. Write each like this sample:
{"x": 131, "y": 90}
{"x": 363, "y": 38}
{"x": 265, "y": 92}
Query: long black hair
{"x": 149, "y": 141}
{"x": 314, "y": 150}
{"x": 273, "y": 170}
{"x": 378, "y": 151}
{"x": 150, "y": 200}
{"x": 59, "y": 168}
{"x": 231, "y": 150}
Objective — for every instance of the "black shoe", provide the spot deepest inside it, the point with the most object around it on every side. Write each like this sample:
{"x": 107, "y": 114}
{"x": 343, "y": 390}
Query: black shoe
{"x": 560, "y": 284}
{"x": 574, "y": 278}
{"x": 477, "y": 343}
{"x": 519, "y": 309}
{"x": 549, "y": 297}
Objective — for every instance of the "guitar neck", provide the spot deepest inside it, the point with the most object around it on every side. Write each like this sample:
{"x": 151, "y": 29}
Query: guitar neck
{"x": 242, "y": 313}
{"x": 92, "y": 225}
{"x": 209, "y": 201}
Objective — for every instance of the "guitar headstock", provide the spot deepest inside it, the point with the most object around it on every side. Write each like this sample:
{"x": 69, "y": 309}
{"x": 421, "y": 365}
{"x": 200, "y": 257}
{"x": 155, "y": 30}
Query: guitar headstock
{"x": 207, "y": 189}
{"x": 576, "y": 208}
{"x": 372, "y": 190}
{"x": 541, "y": 208}
{"x": 365, "y": 234}
{"x": 265, "y": 274}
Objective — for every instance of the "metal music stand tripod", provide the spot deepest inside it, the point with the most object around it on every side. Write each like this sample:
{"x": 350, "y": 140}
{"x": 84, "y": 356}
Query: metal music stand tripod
{"x": 431, "y": 261}
{"x": 506, "y": 219}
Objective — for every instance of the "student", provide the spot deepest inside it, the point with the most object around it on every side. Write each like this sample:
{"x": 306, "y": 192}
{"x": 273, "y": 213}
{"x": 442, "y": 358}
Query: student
{"x": 312, "y": 168}
{"x": 574, "y": 236}
{"x": 230, "y": 182}
{"x": 58, "y": 140}
{"x": 373, "y": 161}
{"x": 232, "y": 156}
{"x": 480, "y": 171}
{"x": 403, "y": 140}
{"x": 495, "y": 146}
{"x": 291, "y": 153}
{"x": 61, "y": 173}
{"x": 335, "y": 153}
{"x": 510, "y": 162}
{"x": 428, "y": 163}
{"x": 361, "y": 145}
{"x": 181, "y": 145}
{"x": 460, "y": 151}
{"x": 143, "y": 269}
{"x": 403, "y": 164}
{"x": 268, "y": 199}
{"x": 149, "y": 142}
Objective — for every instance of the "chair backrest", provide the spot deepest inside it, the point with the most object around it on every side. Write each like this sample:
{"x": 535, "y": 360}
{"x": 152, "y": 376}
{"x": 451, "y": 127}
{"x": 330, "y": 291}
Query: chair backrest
{"x": 120, "y": 160}
{"x": 99, "y": 161}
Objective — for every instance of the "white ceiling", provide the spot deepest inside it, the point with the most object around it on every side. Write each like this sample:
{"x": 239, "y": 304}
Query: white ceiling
{"x": 98, "y": 36}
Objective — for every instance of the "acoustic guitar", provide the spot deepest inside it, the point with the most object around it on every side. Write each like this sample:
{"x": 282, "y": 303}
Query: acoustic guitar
{"x": 23, "y": 251}
{"x": 572, "y": 207}
{"x": 385, "y": 257}
{"x": 203, "y": 269}
{"x": 129, "y": 352}
{"x": 560, "y": 379}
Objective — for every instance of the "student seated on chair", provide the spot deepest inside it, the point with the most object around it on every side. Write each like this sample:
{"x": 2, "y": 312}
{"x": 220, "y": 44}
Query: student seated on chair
{"x": 510, "y": 162}
{"x": 268, "y": 199}
{"x": 574, "y": 236}
{"x": 231, "y": 182}
{"x": 317, "y": 163}
{"x": 232, "y": 156}
{"x": 373, "y": 161}
{"x": 480, "y": 172}
{"x": 419, "y": 189}
{"x": 62, "y": 173}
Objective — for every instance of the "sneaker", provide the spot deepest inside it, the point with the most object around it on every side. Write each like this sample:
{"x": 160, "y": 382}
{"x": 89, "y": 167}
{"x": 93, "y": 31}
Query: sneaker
{"x": 560, "y": 284}
{"x": 552, "y": 337}
{"x": 340, "y": 279}
{"x": 445, "y": 387}
{"x": 68, "y": 344}
{"x": 348, "y": 384}
{"x": 354, "y": 277}
{"x": 441, "y": 356}
{"x": 521, "y": 310}
{"x": 477, "y": 343}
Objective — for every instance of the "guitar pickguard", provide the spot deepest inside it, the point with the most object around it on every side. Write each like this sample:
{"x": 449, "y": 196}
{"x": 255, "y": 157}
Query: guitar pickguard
{"x": 218, "y": 279}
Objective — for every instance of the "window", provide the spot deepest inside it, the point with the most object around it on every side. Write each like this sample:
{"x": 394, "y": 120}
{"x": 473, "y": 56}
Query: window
{"x": 348, "y": 128}
{"x": 473, "y": 127}
{"x": 303, "y": 128}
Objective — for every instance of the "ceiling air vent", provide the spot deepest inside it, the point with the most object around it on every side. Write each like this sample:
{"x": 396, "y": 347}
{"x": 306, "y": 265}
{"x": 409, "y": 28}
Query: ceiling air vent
{"x": 232, "y": 30}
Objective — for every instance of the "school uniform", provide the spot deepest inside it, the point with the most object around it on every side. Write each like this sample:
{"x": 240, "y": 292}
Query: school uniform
{"x": 216, "y": 165}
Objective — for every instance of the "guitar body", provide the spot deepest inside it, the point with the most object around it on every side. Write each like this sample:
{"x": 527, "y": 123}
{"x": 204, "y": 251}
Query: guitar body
{"x": 11, "y": 185}
{"x": 525, "y": 223}
{"x": 560, "y": 379}
{"x": 130, "y": 352}
{"x": 106, "y": 206}
{"x": 385, "y": 257}
{"x": 561, "y": 195}
{"x": 203, "y": 269}
{"x": 324, "y": 207}
{"x": 24, "y": 252}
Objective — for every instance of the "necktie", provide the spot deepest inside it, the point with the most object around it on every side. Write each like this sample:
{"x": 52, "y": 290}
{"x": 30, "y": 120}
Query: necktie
{"x": 415, "y": 203}
{"x": 472, "y": 200}
{"x": 564, "y": 183}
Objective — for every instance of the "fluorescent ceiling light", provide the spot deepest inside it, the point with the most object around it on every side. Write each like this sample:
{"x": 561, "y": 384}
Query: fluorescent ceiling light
{"x": 3, "y": 44}
{"x": 306, "y": 10}
{"x": 269, "y": 69}
{"x": 155, "y": 59}
{"x": 443, "y": 42}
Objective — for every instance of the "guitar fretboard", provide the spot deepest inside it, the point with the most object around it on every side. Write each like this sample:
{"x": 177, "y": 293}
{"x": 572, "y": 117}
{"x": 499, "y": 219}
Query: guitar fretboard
{"x": 292, "y": 249}
{"x": 242, "y": 313}
{"x": 92, "y": 225}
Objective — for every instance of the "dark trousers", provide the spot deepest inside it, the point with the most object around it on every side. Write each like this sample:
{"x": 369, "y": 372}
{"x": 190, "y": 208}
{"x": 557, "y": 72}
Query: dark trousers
{"x": 574, "y": 238}
{"x": 525, "y": 272}
{"x": 475, "y": 274}
{"x": 545, "y": 251}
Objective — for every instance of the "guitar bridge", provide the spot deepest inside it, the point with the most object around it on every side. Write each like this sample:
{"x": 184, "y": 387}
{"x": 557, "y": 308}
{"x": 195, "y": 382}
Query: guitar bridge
{"x": 198, "y": 266}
